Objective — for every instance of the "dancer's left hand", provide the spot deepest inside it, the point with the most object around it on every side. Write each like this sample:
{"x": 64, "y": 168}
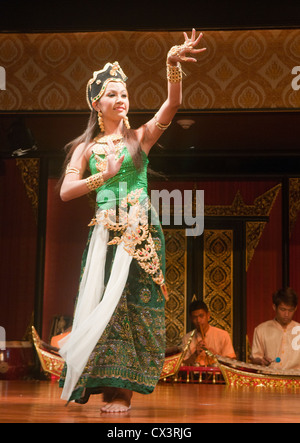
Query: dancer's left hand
{"x": 178, "y": 53}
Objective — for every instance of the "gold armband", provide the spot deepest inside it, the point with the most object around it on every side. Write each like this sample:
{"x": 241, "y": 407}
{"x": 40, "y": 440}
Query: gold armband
{"x": 161, "y": 126}
{"x": 94, "y": 181}
{"x": 174, "y": 73}
{"x": 70, "y": 169}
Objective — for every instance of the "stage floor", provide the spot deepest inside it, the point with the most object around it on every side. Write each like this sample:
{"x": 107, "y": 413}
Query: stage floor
{"x": 39, "y": 402}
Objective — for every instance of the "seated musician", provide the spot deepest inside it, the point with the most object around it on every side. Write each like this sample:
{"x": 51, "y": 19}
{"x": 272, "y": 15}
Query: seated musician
{"x": 272, "y": 340}
{"x": 214, "y": 339}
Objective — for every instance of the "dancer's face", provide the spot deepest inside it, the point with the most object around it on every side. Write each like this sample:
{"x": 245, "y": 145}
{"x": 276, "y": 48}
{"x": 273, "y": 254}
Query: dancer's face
{"x": 114, "y": 103}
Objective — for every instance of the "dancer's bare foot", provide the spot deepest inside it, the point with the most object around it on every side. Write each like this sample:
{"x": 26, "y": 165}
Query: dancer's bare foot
{"x": 115, "y": 406}
{"x": 119, "y": 402}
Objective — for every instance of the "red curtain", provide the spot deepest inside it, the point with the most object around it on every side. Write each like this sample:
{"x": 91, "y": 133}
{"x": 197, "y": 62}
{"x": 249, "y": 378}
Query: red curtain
{"x": 295, "y": 260}
{"x": 18, "y": 231}
{"x": 66, "y": 237}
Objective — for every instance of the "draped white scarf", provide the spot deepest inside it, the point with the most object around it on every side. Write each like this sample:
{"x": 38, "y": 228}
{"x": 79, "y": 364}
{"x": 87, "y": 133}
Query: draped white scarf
{"x": 95, "y": 306}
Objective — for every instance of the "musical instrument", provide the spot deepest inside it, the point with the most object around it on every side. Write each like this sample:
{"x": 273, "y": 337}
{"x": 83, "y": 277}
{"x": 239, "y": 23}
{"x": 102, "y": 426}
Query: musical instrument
{"x": 53, "y": 363}
{"x": 236, "y": 373}
{"x": 241, "y": 374}
{"x": 203, "y": 359}
{"x": 50, "y": 360}
{"x": 172, "y": 364}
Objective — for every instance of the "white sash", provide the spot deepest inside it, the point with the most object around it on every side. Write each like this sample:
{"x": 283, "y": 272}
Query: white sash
{"x": 94, "y": 308}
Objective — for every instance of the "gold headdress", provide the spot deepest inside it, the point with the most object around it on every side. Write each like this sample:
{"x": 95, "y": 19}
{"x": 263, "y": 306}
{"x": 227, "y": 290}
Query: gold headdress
{"x": 97, "y": 84}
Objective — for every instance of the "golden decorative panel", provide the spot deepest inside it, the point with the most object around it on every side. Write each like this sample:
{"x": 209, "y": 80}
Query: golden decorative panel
{"x": 176, "y": 282}
{"x": 247, "y": 69}
{"x": 261, "y": 206}
{"x": 254, "y": 231}
{"x": 294, "y": 201}
{"x": 218, "y": 277}
{"x": 29, "y": 168}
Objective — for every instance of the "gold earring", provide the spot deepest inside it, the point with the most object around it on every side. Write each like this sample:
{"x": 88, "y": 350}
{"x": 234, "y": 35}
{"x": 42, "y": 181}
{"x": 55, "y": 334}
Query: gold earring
{"x": 126, "y": 122}
{"x": 100, "y": 121}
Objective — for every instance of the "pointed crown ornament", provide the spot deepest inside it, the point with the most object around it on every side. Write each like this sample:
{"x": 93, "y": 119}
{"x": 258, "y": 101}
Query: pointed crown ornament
{"x": 97, "y": 84}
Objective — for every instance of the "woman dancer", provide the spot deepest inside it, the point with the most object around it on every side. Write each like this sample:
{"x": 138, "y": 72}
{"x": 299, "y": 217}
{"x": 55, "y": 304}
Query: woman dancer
{"x": 117, "y": 341}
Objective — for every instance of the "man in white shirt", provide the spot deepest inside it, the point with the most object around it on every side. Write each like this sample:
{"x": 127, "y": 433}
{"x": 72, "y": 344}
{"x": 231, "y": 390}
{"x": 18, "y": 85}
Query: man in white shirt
{"x": 208, "y": 337}
{"x": 273, "y": 340}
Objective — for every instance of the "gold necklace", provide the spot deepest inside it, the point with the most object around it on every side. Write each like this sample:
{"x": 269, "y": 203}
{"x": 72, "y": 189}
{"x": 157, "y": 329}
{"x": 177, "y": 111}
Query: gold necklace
{"x": 104, "y": 139}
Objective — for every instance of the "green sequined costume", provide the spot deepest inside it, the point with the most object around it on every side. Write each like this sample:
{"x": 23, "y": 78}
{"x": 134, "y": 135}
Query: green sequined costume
{"x": 130, "y": 353}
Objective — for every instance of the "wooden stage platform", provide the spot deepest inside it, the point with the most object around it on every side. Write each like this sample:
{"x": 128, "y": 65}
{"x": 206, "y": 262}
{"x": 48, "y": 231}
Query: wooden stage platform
{"x": 39, "y": 402}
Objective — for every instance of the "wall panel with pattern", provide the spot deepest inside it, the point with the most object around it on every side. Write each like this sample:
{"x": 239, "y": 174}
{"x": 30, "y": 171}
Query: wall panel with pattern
{"x": 240, "y": 69}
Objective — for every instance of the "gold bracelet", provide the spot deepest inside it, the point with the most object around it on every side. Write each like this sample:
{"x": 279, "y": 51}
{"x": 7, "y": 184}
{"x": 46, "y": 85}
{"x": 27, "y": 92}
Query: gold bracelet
{"x": 94, "y": 181}
{"x": 71, "y": 169}
{"x": 174, "y": 73}
{"x": 161, "y": 126}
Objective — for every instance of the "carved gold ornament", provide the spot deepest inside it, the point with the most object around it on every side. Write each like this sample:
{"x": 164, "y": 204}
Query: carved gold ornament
{"x": 133, "y": 229}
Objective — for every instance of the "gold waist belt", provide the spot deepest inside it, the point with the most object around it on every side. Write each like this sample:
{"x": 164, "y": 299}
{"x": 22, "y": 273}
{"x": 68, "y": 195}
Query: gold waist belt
{"x": 133, "y": 230}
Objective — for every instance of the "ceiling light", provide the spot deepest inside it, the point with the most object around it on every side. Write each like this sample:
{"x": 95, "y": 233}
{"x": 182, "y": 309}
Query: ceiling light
{"x": 185, "y": 123}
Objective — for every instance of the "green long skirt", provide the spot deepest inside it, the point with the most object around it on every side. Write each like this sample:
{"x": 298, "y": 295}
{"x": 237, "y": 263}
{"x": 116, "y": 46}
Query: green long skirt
{"x": 131, "y": 351}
